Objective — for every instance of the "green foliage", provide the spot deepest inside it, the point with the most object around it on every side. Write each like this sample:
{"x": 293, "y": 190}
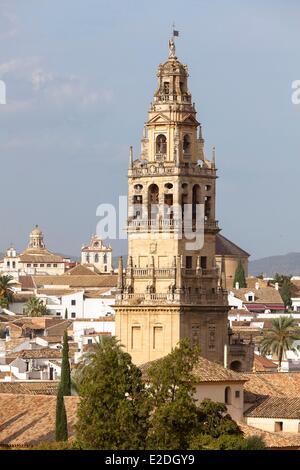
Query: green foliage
{"x": 119, "y": 412}
{"x": 35, "y": 308}
{"x": 171, "y": 390}
{"x": 285, "y": 288}
{"x": 214, "y": 420}
{"x": 61, "y": 424}
{"x": 113, "y": 413}
{"x": 280, "y": 338}
{"x": 253, "y": 443}
{"x": 239, "y": 276}
{"x": 65, "y": 379}
{"x": 6, "y": 291}
{"x": 66, "y": 314}
{"x": 172, "y": 376}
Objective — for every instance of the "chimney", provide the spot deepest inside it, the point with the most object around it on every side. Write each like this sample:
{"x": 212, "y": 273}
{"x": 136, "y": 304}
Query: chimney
{"x": 225, "y": 356}
{"x": 257, "y": 285}
{"x": 276, "y": 286}
{"x": 237, "y": 285}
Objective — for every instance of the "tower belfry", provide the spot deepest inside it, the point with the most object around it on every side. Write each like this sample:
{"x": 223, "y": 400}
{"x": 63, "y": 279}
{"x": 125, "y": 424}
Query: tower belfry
{"x": 170, "y": 289}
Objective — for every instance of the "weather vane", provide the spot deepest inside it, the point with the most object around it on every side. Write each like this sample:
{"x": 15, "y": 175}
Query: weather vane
{"x": 172, "y": 49}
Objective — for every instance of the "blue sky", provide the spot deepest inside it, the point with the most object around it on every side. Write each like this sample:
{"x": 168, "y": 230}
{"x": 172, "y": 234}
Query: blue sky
{"x": 80, "y": 75}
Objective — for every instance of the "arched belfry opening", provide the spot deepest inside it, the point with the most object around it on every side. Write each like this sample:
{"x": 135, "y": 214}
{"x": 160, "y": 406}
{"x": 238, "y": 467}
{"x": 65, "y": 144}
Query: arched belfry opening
{"x": 186, "y": 145}
{"x": 161, "y": 144}
{"x": 153, "y": 201}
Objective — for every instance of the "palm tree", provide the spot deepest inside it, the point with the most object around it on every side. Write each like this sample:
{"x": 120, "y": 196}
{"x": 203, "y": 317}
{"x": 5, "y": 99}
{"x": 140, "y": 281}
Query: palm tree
{"x": 35, "y": 308}
{"x": 6, "y": 291}
{"x": 280, "y": 338}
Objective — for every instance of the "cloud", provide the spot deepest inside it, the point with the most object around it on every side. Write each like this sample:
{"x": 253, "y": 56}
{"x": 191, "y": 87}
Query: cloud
{"x": 34, "y": 83}
{"x": 9, "y": 24}
{"x": 19, "y": 68}
{"x": 39, "y": 78}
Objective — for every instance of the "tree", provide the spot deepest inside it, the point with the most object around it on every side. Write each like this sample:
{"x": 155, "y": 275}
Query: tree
{"x": 239, "y": 276}
{"x": 6, "y": 291}
{"x": 35, "y": 308}
{"x": 177, "y": 421}
{"x": 285, "y": 288}
{"x": 65, "y": 378}
{"x": 66, "y": 314}
{"x": 61, "y": 423}
{"x": 280, "y": 338}
{"x": 113, "y": 412}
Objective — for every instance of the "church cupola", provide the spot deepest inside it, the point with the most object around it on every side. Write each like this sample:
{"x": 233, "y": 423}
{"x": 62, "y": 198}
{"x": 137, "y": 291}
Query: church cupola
{"x": 36, "y": 238}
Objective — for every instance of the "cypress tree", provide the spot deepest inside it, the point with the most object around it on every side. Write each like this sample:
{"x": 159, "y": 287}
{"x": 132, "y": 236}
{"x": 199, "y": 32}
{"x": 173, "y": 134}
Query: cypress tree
{"x": 61, "y": 424}
{"x": 65, "y": 378}
{"x": 239, "y": 276}
{"x": 66, "y": 314}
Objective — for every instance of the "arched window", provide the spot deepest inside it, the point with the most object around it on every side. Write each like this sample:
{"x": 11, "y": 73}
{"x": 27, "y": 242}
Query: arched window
{"x": 227, "y": 396}
{"x": 161, "y": 144}
{"x": 105, "y": 258}
{"x": 153, "y": 201}
{"x": 96, "y": 258}
{"x": 186, "y": 144}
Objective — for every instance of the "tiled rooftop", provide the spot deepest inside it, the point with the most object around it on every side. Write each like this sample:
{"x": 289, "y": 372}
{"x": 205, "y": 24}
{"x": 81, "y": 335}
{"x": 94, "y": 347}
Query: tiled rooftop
{"x": 29, "y": 419}
{"x": 276, "y": 407}
{"x": 207, "y": 371}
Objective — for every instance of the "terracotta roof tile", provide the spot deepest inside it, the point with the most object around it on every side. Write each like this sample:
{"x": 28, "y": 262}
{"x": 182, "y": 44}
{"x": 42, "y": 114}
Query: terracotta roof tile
{"x": 80, "y": 270}
{"x": 30, "y": 388}
{"x": 268, "y": 295}
{"x": 273, "y": 440}
{"x": 29, "y": 419}
{"x": 226, "y": 247}
{"x": 278, "y": 384}
{"x": 85, "y": 281}
{"x": 261, "y": 363}
{"x": 207, "y": 371}
{"x": 276, "y": 407}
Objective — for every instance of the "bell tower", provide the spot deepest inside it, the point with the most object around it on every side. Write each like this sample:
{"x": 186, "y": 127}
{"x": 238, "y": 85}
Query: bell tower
{"x": 171, "y": 287}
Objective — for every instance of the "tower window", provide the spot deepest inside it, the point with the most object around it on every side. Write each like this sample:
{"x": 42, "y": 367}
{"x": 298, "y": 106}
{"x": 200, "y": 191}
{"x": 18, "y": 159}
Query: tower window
{"x": 96, "y": 258}
{"x": 166, "y": 88}
{"x": 203, "y": 262}
{"x": 188, "y": 262}
{"x": 161, "y": 144}
{"x": 186, "y": 144}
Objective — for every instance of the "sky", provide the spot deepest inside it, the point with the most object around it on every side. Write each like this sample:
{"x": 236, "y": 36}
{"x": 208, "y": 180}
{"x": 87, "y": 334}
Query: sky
{"x": 80, "y": 75}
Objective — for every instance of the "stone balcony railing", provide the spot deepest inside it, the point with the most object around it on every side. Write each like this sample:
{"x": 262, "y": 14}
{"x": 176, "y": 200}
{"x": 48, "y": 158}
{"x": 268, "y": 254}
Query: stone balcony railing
{"x": 161, "y": 168}
{"x": 207, "y": 298}
{"x": 169, "y": 273}
{"x": 168, "y": 225}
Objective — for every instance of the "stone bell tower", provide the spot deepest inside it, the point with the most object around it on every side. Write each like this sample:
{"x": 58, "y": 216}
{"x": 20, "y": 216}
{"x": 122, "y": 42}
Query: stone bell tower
{"x": 171, "y": 289}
